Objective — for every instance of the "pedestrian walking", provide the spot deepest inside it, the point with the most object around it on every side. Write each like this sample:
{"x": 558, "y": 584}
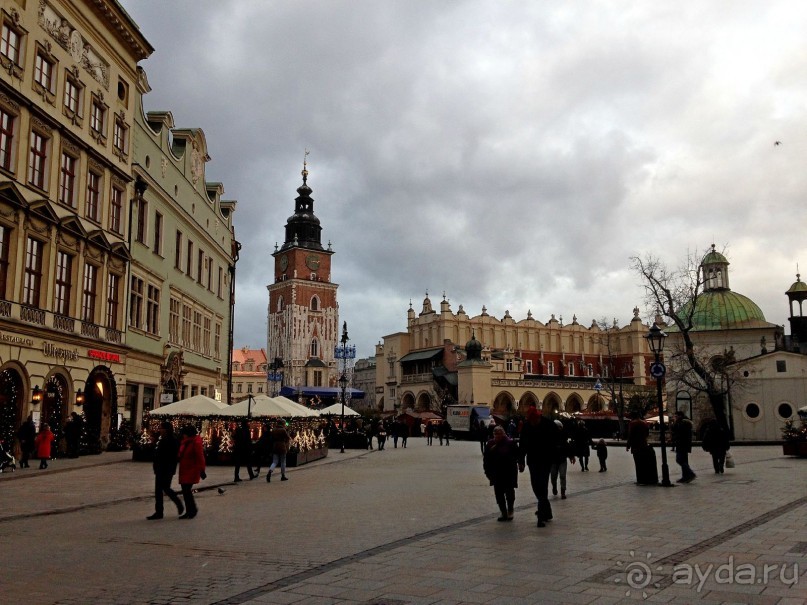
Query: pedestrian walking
{"x": 538, "y": 446}
{"x": 602, "y": 454}
{"x": 280, "y": 447}
{"x": 501, "y": 465}
{"x": 429, "y": 433}
{"x": 446, "y": 432}
{"x": 370, "y": 436}
{"x": 242, "y": 450}
{"x": 582, "y": 441}
{"x": 394, "y": 431}
{"x": 403, "y": 431}
{"x": 43, "y": 445}
{"x": 72, "y": 434}
{"x": 564, "y": 454}
{"x": 481, "y": 433}
{"x": 682, "y": 437}
{"x": 26, "y": 435}
{"x": 191, "y": 467}
{"x": 382, "y": 437}
{"x": 644, "y": 457}
{"x": 716, "y": 441}
{"x": 166, "y": 457}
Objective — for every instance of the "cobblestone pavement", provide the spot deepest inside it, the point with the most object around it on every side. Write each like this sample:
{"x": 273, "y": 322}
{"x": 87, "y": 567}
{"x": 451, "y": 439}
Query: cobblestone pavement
{"x": 407, "y": 526}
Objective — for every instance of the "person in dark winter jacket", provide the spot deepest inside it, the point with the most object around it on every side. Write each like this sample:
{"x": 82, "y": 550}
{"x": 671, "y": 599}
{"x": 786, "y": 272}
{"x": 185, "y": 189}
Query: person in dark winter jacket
{"x": 682, "y": 437}
{"x": 26, "y": 435}
{"x": 602, "y": 454}
{"x": 716, "y": 442}
{"x": 500, "y": 463}
{"x": 582, "y": 443}
{"x": 165, "y": 467}
{"x": 538, "y": 446}
{"x": 242, "y": 450}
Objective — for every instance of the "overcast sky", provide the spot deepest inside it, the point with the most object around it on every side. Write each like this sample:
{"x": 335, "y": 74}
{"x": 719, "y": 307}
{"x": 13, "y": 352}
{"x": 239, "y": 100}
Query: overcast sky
{"x": 512, "y": 154}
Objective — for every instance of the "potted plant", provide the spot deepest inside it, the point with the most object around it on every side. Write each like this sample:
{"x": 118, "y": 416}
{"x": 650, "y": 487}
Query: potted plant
{"x": 795, "y": 438}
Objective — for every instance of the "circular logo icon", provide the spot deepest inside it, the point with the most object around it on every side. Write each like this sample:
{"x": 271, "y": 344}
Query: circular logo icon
{"x": 657, "y": 370}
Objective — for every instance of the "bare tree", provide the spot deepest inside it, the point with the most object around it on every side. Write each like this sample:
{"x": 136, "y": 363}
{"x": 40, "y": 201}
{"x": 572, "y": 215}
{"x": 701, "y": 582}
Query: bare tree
{"x": 611, "y": 369}
{"x": 674, "y": 295}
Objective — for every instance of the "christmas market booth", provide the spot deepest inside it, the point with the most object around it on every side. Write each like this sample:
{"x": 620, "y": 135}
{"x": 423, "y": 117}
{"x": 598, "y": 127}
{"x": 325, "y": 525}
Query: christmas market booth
{"x": 217, "y": 425}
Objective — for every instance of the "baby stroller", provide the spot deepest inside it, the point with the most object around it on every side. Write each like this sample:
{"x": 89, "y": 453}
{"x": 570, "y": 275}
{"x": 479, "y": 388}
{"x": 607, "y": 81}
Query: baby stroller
{"x": 6, "y": 459}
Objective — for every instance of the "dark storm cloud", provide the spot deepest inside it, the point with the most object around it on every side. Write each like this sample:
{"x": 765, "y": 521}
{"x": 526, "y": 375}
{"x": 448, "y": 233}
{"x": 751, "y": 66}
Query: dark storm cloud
{"x": 511, "y": 154}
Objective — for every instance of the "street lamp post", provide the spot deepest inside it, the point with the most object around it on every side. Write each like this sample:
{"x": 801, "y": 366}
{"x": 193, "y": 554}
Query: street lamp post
{"x": 249, "y": 406}
{"x": 344, "y": 353}
{"x": 655, "y": 338}
{"x": 274, "y": 374}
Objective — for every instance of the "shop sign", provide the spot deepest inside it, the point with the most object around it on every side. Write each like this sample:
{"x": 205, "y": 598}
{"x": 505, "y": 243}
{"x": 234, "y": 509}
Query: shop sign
{"x": 166, "y": 398}
{"x": 103, "y": 355}
{"x": 16, "y": 340}
{"x": 50, "y": 350}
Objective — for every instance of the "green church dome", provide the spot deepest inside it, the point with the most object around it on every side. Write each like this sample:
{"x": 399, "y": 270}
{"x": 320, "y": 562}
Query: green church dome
{"x": 724, "y": 310}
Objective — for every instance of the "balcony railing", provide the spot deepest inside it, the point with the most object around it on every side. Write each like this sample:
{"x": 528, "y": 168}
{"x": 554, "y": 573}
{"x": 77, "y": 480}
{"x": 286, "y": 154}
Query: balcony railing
{"x": 32, "y": 315}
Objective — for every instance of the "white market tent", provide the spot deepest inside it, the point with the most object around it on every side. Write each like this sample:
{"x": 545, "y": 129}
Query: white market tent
{"x": 198, "y": 405}
{"x": 655, "y": 419}
{"x": 336, "y": 410}
{"x": 803, "y": 412}
{"x": 263, "y": 406}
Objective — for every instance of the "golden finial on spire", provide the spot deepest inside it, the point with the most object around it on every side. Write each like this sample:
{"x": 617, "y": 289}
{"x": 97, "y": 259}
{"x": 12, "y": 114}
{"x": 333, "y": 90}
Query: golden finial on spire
{"x": 305, "y": 166}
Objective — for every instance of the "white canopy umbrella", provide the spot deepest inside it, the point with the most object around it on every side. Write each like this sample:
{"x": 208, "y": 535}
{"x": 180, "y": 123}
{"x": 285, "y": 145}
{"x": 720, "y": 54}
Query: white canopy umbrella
{"x": 263, "y": 406}
{"x": 336, "y": 410}
{"x": 198, "y": 405}
{"x": 803, "y": 412}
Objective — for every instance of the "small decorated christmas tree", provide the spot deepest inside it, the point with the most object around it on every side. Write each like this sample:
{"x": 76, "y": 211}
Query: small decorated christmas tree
{"x": 226, "y": 446}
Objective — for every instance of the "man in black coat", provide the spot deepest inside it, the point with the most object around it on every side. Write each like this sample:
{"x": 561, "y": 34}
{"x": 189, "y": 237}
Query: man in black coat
{"x": 539, "y": 445}
{"x": 242, "y": 450}
{"x": 26, "y": 435}
{"x": 165, "y": 467}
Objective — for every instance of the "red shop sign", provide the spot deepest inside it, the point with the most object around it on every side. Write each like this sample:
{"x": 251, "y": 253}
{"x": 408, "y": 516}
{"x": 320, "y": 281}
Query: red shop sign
{"x": 103, "y": 355}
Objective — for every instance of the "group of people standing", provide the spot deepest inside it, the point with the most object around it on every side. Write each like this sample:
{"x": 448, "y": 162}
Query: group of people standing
{"x": 43, "y": 444}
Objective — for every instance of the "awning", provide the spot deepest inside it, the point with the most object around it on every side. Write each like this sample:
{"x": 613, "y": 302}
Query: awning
{"x": 322, "y": 392}
{"x": 421, "y": 355}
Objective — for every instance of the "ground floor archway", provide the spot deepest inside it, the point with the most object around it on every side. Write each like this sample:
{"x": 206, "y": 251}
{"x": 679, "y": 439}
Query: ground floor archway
{"x": 100, "y": 403}
{"x": 12, "y": 401}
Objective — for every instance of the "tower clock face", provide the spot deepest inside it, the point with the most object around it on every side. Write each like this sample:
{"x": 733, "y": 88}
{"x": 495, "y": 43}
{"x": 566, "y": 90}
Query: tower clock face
{"x": 284, "y": 262}
{"x": 312, "y": 262}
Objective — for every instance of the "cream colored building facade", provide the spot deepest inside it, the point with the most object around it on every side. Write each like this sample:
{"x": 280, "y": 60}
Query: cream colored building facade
{"x": 250, "y": 371}
{"x": 183, "y": 252}
{"x": 68, "y": 98}
{"x": 555, "y": 365}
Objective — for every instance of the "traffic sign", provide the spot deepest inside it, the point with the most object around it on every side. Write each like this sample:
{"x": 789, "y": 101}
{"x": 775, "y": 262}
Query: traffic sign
{"x": 597, "y": 385}
{"x": 657, "y": 369}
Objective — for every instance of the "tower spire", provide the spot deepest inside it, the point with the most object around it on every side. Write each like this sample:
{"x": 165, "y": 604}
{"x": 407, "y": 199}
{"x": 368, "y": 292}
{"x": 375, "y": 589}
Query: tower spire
{"x": 305, "y": 167}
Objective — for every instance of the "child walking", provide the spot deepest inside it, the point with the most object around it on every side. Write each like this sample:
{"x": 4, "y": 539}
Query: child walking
{"x": 602, "y": 454}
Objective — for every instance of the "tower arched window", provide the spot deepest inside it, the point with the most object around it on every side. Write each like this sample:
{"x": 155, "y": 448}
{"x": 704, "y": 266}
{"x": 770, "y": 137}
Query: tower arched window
{"x": 279, "y": 303}
{"x": 314, "y": 348}
{"x": 315, "y": 303}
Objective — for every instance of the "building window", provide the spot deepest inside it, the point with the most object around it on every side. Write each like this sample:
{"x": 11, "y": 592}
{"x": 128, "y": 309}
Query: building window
{"x": 7, "y": 124}
{"x": 314, "y": 303}
{"x": 206, "y": 336}
{"x": 260, "y": 388}
{"x": 67, "y": 180}
{"x": 571, "y": 369}
{"x": 314, "y": 348}
{"x": 781, "y": 365}
{"x": 200, "y": 264}
{"x": 93, "y": 195}
{"x": 43, "y": 72}
{"x": 317, "y": 378}
{"x": 142, "y": 213}
{"x": 115, "y": 209}
{"x": 186, "y": 325}
{"x": 550, "y": 368}
{"x": 238, "y": 387}
{"x": 158, "y": 233}
{"x": 217, "y": 341}
{"x": 38, "y": 161}
{"x": 210, "y": 274}
{"x": 136, "y": 303}
{"x": 148, "y": 398}
{"x": 529, "y": 366}
{"x": 112, "y": 301}
{"x": 120, "y": 136}
{"x": 785, "y": 411}
{"x": 10, "y": 44}
{"x": 189, "y": 259}
{"x": 33, "y": 272}
{"x": 508, "y": 365}
{"x": 72, "y": 97}
{"x": 249, "y": 387}
{"x": 64, "y": 264}
{"x": 153, "y": 310}
{"x": 590, "y": 370}
{"x": 178, "y": 252}
{"x": 752, "y": 411}
{"x": 197, "y": 331}
{"x": 88, "y": 296}
{"x": 173, "y": 320}
{"x": 97, "y": 118}
{"x": 220, "y": 281}
{"x": 5, "y": 236}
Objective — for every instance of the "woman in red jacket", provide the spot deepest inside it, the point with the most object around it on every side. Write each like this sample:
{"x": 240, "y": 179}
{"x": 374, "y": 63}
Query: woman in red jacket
{"x": 191, "y": 467}
{"x": 42, "y": 445}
